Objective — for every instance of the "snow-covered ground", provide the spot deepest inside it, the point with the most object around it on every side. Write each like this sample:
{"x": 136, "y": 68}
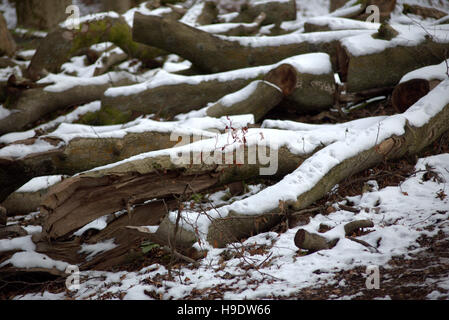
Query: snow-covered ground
{"x": 269, "y": 265}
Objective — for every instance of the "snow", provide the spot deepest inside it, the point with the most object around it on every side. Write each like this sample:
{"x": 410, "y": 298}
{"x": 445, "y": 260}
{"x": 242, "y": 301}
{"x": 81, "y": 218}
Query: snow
{"x": 19, "y": 151}
{"x": 398, "y": 222}
{"x": 5, "y": 73}
{"x": 191, "y": 16}
{"x": 205, "y": 127}
{"x": 22, "y": 243}
{"x": 31, "y": 259}
{"x": 68, "y": 118}
{"x": 99, "y": 247}
{"x": 4, "y": 112}
{"x": 409, "y": 35}
{"x": 435, "y": 72}
{"x": 40, "y": 183}
{"x": 295, "y": 38}
{"x": 64, "y": 82}
{"x": 343, "y": 23}
{"x": 98, "y": 224}
{"x": 8, "y": 10}
{"x": 91, "y": 17}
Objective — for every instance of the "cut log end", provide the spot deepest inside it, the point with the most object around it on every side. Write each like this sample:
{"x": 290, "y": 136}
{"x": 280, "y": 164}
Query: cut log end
{"x": 408, "y": 93}
{"x": 310, "y": 241}
{"x": 285, "y": 77}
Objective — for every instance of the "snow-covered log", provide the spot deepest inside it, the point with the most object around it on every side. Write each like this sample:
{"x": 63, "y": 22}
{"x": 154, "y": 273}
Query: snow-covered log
{"x": 201, "y": 13}
{"x": 276, "y": 11}
{"x": 367, "y": 61}
{"x": 307, "y": 80}
{"x": 257, "y": 98}
{"x": 219, "y": 53}
{"x": 29, "y": 105}
{"x": 62, "y": 43}
{"x": 75, "y": 148}
{"x": 391, "y": 138}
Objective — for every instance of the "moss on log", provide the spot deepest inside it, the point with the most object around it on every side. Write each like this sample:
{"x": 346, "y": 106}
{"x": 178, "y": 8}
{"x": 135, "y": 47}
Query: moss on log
{"x": 61, "y": 44}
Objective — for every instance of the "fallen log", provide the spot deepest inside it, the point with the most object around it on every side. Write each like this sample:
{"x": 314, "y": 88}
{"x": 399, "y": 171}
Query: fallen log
{"x": 311, "y": 241}
{"x": 60, "y": 154}
{"x": 385, "y": 62}
{"x": 276, "y": 11}
{"x": 408, "y": 93}
{"x": 112, "y": 188}
{"x": 392, "y": 138}
{"x": 424, "y": 12}
{"x": 306, "y": 80}
{"x": 320, "y": 24}
{"x": 62, "y": 43}
{"x": 201, "y": 13}
{"x": 108, "y": 60}
{"x": 29, "y": 105}
{"x": 20, "y": 203}
{"x": 258, "y": 98}
{"x": 215, "y": 54}
{"x": 353, "y": 226}
{"x": 235, "y": 29}
{"x": 13, "y": 231}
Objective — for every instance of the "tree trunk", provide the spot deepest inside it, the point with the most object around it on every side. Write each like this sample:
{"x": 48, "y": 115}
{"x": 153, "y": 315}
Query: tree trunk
{"x": 259, "y": 98}
{"x": 43, "y": 15}
{"x": 7, "y": 43}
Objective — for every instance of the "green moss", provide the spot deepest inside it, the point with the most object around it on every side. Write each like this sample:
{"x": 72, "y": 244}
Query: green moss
{"x": 106, "y": 116}
{"x": 385, "y": 32}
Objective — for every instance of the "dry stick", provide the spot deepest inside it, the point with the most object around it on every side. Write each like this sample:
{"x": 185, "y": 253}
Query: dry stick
{"x": 363, "y": 243}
